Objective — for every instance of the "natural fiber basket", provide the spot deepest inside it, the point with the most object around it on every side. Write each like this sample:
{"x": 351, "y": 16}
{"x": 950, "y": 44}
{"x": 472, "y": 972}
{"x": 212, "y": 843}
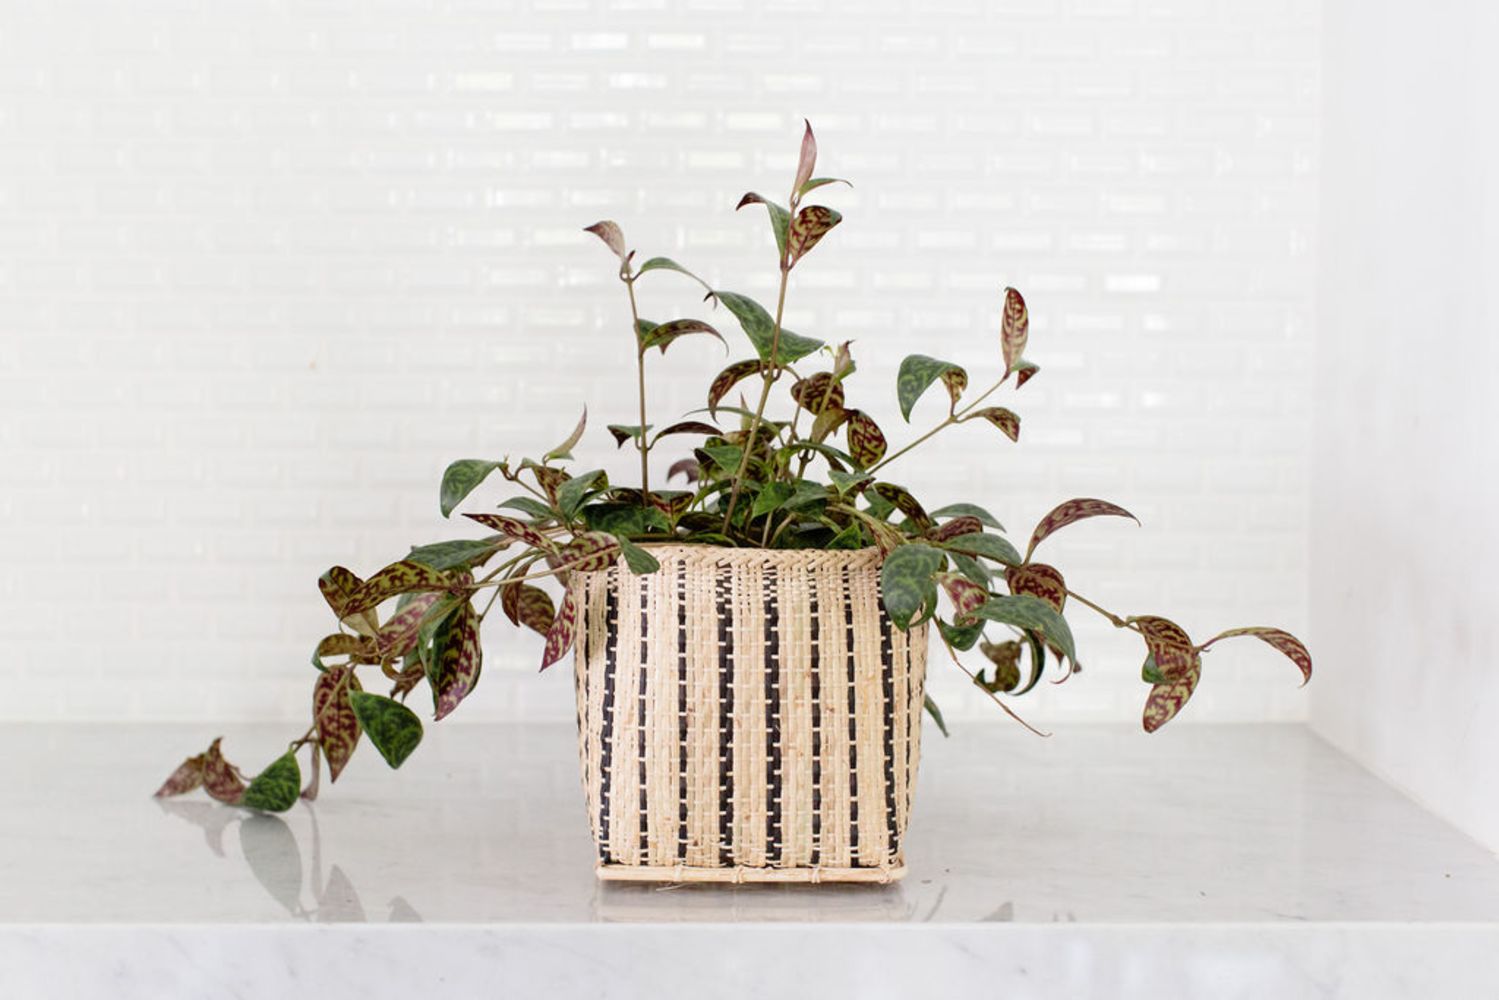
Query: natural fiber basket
{"x": 747, "y": 715}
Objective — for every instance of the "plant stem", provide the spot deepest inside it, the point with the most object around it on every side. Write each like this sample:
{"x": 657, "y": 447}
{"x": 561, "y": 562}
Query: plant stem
{"x": 771, "y": 374}
{"x": 952, "y": 418}
{"x": 640, "y": 441}
{"x": 1114, "y": 619}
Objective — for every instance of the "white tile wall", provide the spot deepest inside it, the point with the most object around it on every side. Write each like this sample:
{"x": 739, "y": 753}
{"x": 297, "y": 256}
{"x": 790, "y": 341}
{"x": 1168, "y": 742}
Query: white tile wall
{"x": 266, "y": 267}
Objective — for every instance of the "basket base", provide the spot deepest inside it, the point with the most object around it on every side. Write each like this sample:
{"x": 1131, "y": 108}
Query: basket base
{"x": 687, "y": 873}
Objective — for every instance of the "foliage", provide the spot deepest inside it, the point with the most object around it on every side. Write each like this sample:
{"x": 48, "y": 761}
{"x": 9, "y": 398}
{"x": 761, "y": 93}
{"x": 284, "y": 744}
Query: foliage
{"x": 813, "y": 474}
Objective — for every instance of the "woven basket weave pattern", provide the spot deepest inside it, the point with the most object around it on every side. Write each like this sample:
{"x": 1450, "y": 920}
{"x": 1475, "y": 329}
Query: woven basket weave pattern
{"x": 747, "y": 714}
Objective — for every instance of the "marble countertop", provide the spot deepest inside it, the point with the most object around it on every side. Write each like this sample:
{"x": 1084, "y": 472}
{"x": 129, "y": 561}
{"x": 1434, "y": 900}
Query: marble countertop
{"x": 1098, "y": 862}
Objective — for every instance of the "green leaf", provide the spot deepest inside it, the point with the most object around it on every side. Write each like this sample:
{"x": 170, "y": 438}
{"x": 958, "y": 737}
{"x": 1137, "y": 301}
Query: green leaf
{"x": 276, "y": 788}
{"x": 817, "y": 182}
{"x": 906, "y": 585}
{"x": 725, "y": 456}
{"x": 667, "y": 264}
{"x": 460, "y": 479}
{"x": 1150, "y": 673}
{"x": 432, "y": 622}
{"x": 662, "y": 335}
{"x": 850, "y": 481}
{"x": 1027, "y": 612}
{"x": 780, "y": 219}
{"x": 526, "y": 505}
{"x": 461, "y": 553}
{"x": 961, "y": 637}
{"x": 917, "y": 372}
{"x": 565, "y": 449}
{"x": 935, "y": 713}
{"x": 772, "y": 497}
{"x": 970, "y": 567}
{"x": 636, "y": 558}
{"x": 625, "y": 432}
{"x": 619, "y": 518}
{"x": 851, "y": 537}
{"x": 760, "y": 329}
{"x": 571, "y": 494}
{"x": 967, "y": 510}
{"x": 988, "y": 546}
{"x": 806, "y": 492}
{"x": 392, "y": 727}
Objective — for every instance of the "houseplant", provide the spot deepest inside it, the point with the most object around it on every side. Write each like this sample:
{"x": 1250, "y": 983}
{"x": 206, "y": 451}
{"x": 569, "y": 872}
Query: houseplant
{"x": 750, "y": 649}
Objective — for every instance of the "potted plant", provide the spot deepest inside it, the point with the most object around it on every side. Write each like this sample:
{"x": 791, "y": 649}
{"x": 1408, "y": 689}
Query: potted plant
{"x": 749, "y": 628}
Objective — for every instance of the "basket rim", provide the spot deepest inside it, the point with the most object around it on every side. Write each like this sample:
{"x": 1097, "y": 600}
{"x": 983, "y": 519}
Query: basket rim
{"x": 722, "y": 555}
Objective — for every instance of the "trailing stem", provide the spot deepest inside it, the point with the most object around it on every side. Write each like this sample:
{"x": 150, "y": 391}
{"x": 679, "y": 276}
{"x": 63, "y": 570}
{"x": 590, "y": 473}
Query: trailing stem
{"x": 640, "y": 441}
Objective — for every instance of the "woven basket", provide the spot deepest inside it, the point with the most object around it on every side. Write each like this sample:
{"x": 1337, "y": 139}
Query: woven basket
{"x": 747, "y": 715}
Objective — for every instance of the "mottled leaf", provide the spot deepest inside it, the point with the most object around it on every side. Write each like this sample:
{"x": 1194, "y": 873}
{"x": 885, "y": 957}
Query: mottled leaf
{"x": 826, "y": 422}
{"x": 1074, "y": 510}
{"x": 667, "y": 264}
{"x": 728, "y": 378}
{"x": 188, "y": 776}
{"x": 760, "y": 329}
{"x": 917, "y": 372}
{"x": 1005, "y": 659}
{"x": 398, "y": 578}
{"x": 1167, "y": 698}
{"x": 818, "y": 392}
{"x": 968, "y": 510}
{"x": 661, "y": 336}
{"x": 338, "y": 587}
{"x": 806, "y": 162}
{"x": 1038, "y": 580}
{"x": 460, "y": 479}
{"x": 461, "y": 553}
{"x": 903, "y": 501}
{"x": 589, "y": 552}
{"x": 549, "y": 478}
{"x": 612, "y": 235}
{"x": 333, "y": 717}
{"x": 219, "y": 778}
{"x": 453, "y": 669}
{"x": 512, "y": 528}
{"x": 560, "y": 637}
{"x": 906, "y": 585}
{"x": 1169, "y": 645}
{"x": 808, "y": 228}
{"x": 398, "y": 636}
{"x": 533, "y": 508}
{"x": 358, "y": 648}
{"x": 866, "y": 442}
{"x": 1278, "y": 639}
{"x": 780, "y": 219}
{"x": 964, "y": 594}
{"x": 1015, "y": 327}
{"x": 564, "y": 451}
{"x": 393, "y": 728}
{"x": 1000, "y": 417}
{"x": 935, "y": 713}
{"x": 526, "y": 605}
{"x": 672, "y": 503}
{"x": 1027, "y": 612}
{"x": 988, "y": 546}
{"x": 1023, "y": 371}
{"x": 276, "y": 788}
{"x": 957, "y": 528}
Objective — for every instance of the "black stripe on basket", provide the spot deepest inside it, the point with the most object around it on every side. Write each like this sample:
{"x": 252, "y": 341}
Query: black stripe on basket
{"x": 645, "y": 596}
{"x": 682, "y": 712}
{"x": 887, "y": 681}
{"x": 606, "y": 736}
{"x": 816, "y": 733}
{"x": 725, "y": 721}
{"x": 774, "y": 848}
{"x": 853, "y": 735}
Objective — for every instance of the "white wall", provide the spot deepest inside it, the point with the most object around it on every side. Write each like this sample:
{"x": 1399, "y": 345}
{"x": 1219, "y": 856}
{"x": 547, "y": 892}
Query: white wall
{"x": 266, "y": 267}
{"x": 1405, "y": 551}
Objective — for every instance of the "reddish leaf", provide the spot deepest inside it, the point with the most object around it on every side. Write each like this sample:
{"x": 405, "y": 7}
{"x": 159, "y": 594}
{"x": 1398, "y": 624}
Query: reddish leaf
{"x": 1169, "y": 644}
{"x": 549, "y": 479}
{"x": 512, "y": 528}
{"x": 339, "y": 587}
{"x": 904, "y": 502}
{"x": 1023, "y": 371}
{"x": 808, "y": 228}
{"x": 956, "y": 528}
{"x": 818, "y": 393}
{"x": 219, "y": 778}
{"x": 337, "y": 728}
{"x": 1074, "y": 510}
{"x": 588, "y": 552}
{"x": 727, "y": 379}
{"x": 866, "y": 442}
{"x": 965, "y": 595}
{"x": 662, "y": 335}
{"x": 1279, "y": 639}
{"x": 526, "y": 605}
{"x": 1015, "y": 327}
{"x": 560, "y": 637}
{"x": 188, "y": 776}
{"x": 398, "y": 636}
{"x": 1002, "y": 418}
{"x": 686, "y": 467}
{"x": 672, "y": 503}
{"x": 611, "y": 234}
{"x": 828, "y": 421}
{"x": 690, "y": 427}
{"x": 1167, "y": 697}
{"x": 411, "y": 673}
{"x": 1038, "y": 580}
{"x": 453, "y": 669}
{"x": 398, "y": 578}
{"x": 955, "y": 380}
{"x": 807, "y": 161}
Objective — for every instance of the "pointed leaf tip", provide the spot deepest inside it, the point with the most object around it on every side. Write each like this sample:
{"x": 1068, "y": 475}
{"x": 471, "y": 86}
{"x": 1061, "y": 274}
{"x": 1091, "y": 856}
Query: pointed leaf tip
{"x": 808, "y": 158}
{"x": 612, "y": 235}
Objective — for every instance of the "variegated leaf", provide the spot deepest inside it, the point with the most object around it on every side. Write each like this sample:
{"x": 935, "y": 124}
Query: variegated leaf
{"x": 780, "y": 219}
{"x": 550, "y": 479}
{"x": 667, "y": 264}
{"x": 398, "y": 578}
{"x": 727, "y": 379}
{"x": 1278, "y": 639}
{"x": 1015, "y": 327}
{"x": 358, "y": 648}
{"x": 761, "y": 331}
{"x": 1167, "y": 698}
{"x": 866, "y": 442}
{"x": 338, "y": 587}
{"x": 219, "y": 778}
{"x": 672, "y": 503}
{"x": 612, "y": 235}
{"x": 411, "y": 674}
{"x": 1005, "y": 657}
{"x": 589, "y": 552}
{"x": 1002, "y": 418}
{"x": 332, "y": 715}
{"x": 1023, "y": 371}
{"x": 188, "y": 776}
{"x": 1169, "y": 645}
{"x": 392, "y": 727}
{"x": 276, "y": 788}
{"x": 1038, "y": 580}
{"x": 886, "y": 538}
{"x": 453, "y": 670}
{"x": 1074, "y": 510}
{"x": 687, "y": 468}
{"x": 526, "y": 605}
{"x": 968, "y": 510}
{"x": 661, "y": 336}
{"x": 560, "y": 636}
{"x": 512, "y": 528}
{"x": 917, "y": 372}
{"x": 626, "y": 432}
{"x": 906, "y": 582}
{"x": 808, "y": 228}
{"x": 988, "y": 546}
{"x": 1028, "y": 612}
{"x": 966, "y": 596}
{"x": 806, "y": 162}
{"x": 817, "y": 393}
{"x": 398, "y": 636}
{"x": 459, "y": 554}
{"x": 904, "y": 502}
{"x": 828, "y": 421}
{"x": 956, "y": 528}
{"x": 565, "y": 449}
{"x": 460, "y": 479}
